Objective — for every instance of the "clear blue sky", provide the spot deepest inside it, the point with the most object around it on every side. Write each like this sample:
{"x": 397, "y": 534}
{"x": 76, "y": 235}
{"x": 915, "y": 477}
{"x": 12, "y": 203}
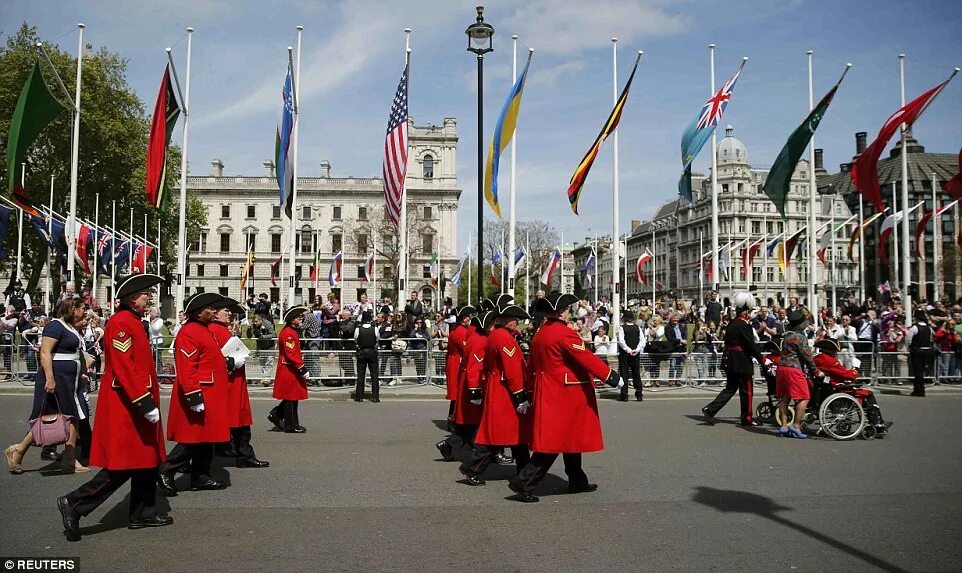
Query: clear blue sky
{"x": 353, "y": 55}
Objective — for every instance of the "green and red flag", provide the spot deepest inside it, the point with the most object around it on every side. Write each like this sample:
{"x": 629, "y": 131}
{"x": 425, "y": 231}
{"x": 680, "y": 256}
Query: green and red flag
{"x": 581, "y": 173}
{"x": 166, "y": 112}
{"x": 779, "y": 179}
{"x": 35, "y": 109}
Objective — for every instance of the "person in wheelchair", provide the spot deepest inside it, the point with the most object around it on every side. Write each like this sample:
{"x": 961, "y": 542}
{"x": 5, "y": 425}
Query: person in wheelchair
{"x": 840, "y": 379}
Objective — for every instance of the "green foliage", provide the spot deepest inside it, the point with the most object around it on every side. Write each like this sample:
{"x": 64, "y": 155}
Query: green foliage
{"x": 490, "y": 289}
{"x": 114, "y": 125}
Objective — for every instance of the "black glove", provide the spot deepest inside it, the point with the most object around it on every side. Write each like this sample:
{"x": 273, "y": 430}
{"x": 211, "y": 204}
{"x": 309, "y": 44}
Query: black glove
{"x": 476, "y": 396}
{"x": 230, "y": 363}
{"x": 614, "y": 380}
{"x": 302, "y": 370}
{"x": 518, "y": 397}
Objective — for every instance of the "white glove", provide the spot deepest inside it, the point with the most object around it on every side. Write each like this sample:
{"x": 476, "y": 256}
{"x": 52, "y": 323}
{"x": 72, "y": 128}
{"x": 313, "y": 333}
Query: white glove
{"x": 523, "y": 407}
{"x": 198, "y": 407}
{"x": 476, "y": 402}
{"x": 621, "y": 382}
{"x": 153, "y": 416}
{"x": 307, "y": 375}
{"x": 239, "y": 362}
{"x": 856, "y": 363}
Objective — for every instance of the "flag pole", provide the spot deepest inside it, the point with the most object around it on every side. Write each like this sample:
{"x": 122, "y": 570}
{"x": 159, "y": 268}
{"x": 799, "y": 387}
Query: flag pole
{"x": 158, "y": 247}
{"x": 812, "y": 291}
{"x": 701, "y": 268}
{"x": 906, "y": 267}
{"x": 654, "y": 266}
{"x": 832, "y": 230}
{"x": 469, "y": 273}
{"x": 597, "y": 249}
{"x": 861, "y": 251}
{"x": 296, "y": 80}
{"x": 23, "y": 185}
{"x": 527, "y": 269}
{"x": 403, "y": 230}
{"x": 561, "y": 266}
{"x": 113, "y": 255}
{"x": 93, "y": 275}
{"x": 514, "y": 146}
{"x": 74, "y": 160}
{"x": 895, "y": 232}
{"x": 182, "y": 224}
{"x": 47, "y": 299}
{"x": 615, "y": 262}
{"x": 936, "y": 283}
{"x": 714, "y": 180}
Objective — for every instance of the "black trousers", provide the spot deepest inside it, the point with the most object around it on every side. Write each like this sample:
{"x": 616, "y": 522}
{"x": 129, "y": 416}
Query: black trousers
{"x": 538, "y": 467}
{"x": 630, "y": 366}
{"x": 286, "y": 412}
{"x": 461, "y": 439}
{"x": 200, "y": 457}
{"x": 241, "y": 438}
{"x": 143, "y": 492}
{"x": 367, "y": 360}
{"x": 482, "y": 456}
{"x": 744, "y": 385}
{"x": 919, "y": 360}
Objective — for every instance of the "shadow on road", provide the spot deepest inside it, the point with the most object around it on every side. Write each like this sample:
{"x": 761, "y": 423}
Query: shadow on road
{"x": 118, "y": 517}
{"x": 733, "y": 501}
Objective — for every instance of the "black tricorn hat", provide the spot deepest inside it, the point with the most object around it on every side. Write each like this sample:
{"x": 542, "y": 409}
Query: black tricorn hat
{"x": 201, "y": 301}
{"x": 132, "y": 284}
{"x": 829, "y": 346}
{"x": 502, "y": 301}
{"x": 484, "y": 320}
{"x": 485, "y": 305}
{"x": 514, "y": 311}
{"x": 230, "y": 304}
{"x": 775, "y": 344}
{"x": 466, "y": 310}
{"x": 556, "y": 302}
{"x": 294, "y": 312}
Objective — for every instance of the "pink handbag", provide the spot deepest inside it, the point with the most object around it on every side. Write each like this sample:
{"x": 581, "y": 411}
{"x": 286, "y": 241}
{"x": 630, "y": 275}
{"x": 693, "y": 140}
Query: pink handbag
{"x": 50, "y": 429}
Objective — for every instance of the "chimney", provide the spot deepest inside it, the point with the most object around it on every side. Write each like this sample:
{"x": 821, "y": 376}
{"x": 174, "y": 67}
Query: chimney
{"x": 268, "y": 168}
{"x": 635, "y": 223}
{"x": 217, "y": 168}
{"x": 818, "y": 159}
{"x": 326, "y": 169}
{"x": 860, "y": 142}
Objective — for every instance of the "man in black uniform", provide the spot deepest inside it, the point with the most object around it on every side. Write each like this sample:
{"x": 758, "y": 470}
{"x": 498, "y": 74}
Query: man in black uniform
{"x": 739, "y": 350}
{"x": 919, "y": 339}
{"x": 366, "y": 338}
{"x": 630, "y": 346}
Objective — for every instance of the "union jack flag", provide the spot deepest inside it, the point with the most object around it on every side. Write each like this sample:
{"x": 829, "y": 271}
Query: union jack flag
{"x": 715, "y": 106}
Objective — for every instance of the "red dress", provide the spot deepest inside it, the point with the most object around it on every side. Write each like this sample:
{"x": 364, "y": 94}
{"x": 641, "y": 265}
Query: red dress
{"x": 791, "y": 382}
{"x": 200, "y": 367}
{"x": 501, "y": 424}
{"x": 564, "y": 411}
{"x": 238, "y": 401}
{"x": 457, "y": 340}
{"x": 123, "y": 439}
{"x": 289, "y": 384}
{"x": 472, "y": 376}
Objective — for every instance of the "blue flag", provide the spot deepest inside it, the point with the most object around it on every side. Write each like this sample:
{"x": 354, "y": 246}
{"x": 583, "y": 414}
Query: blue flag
{"x": 282, "y": 145}
{"x": 700, "y": 130}
{"x": 122, "y": 257}
{"x": 5, "y": 213}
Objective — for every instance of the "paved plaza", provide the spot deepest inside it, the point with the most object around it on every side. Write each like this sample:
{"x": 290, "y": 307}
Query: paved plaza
{"x": 364, "y": 490}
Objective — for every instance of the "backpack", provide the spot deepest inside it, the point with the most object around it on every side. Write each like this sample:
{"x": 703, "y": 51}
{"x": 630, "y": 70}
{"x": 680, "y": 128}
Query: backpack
{"x": 17, "y": 302}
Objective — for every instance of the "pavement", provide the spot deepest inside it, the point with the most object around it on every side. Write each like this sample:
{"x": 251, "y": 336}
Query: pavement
{"x": 364, "y": 490}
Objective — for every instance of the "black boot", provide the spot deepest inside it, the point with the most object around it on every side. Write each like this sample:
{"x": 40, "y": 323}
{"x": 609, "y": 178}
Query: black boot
{"x": 276, "y": 416}
{"x": 288, "y": 419}
{"x": 298, "y": 428}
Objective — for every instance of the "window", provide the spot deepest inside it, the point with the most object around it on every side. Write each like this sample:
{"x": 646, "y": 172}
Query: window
{"x": 429, "y": 166}
{"x": 427, "y": 243}
{"x": 336, "y": 242}
{"x": 222, "y": 291}
{"x": 306, "y": 212}
{"x": 224, "y": 271}
{"x": 225, "y": 242}
{"x": 251, "y": 211}
{"x": 740, "y": 187}
{"x": 337, "y": 214}
{"x": 225, "y": 211}
{"x": 426, "y": 271}
{"x": 756, "y": 227}
{"x": 428, "y": 213}
{"x": 387, "y": 272}
{"x": 741, "y": 226}
{"x": 307, "y": 241}
{"x": 275, "y": 242}
{"x": 362, "y": 213}
{"x": 297, "y": 273}
{"x": 200, "y": 289}
{"x": 275, "y": 294}
{"x": 724, "y": 187}
{"x": 360, "y": 271}
{"x": 362, "y": 244}
{"x": 200, "y": 270}
{"x": 275, "y": 212}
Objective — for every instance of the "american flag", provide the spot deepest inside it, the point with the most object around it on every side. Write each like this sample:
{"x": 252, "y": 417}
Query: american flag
{"x": 396, "y": 151}
{"x": 715, "y": 106}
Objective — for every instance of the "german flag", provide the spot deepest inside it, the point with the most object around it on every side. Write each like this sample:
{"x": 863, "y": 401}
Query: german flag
{"x": 581, "y": 173}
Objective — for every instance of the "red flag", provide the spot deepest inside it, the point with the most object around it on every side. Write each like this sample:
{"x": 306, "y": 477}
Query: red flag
{"x": 919, "y": 230}
{"x": 639, "y": 266}
{"x": 138, "y": 263}
{"x": 748, "y": 255}
{"x": 954, "y": 185}
{"x": 888, "y": 225}
{"x": 82, "y": 242}
{"x": 865, "y": 169}
{"x": 276, "y": 270}
{"x": 166, "y": 112}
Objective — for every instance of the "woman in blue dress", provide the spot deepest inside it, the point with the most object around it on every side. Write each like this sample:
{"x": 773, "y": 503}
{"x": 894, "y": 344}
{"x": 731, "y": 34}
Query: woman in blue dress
{"x": 57, "y": 383}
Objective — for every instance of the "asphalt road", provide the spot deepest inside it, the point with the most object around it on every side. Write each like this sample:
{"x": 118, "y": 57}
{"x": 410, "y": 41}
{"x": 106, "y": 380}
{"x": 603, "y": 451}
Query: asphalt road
{"x": 363, "y": 490}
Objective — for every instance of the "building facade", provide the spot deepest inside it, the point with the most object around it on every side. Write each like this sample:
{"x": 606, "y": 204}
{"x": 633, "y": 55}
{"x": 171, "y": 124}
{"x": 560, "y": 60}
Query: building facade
{"x": 334, "y": 215}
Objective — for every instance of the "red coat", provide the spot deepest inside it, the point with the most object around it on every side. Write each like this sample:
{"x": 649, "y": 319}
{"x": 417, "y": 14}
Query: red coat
{"x": 472, "y": 376}
{"x": 564, "y": 411}
{"x": 238, "y": 402}
{"x": 199, "y": 367}
{"x": 501, "y": 424}
{"x": 457, "y": 341}
{"x": 289, "y": 384}
{"x": 835, "y": 373}
{"x": 123, "y": 439}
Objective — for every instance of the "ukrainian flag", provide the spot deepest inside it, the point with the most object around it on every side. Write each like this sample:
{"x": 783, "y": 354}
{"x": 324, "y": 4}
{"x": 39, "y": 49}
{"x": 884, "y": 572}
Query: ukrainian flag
{"x": 502, "y": 137}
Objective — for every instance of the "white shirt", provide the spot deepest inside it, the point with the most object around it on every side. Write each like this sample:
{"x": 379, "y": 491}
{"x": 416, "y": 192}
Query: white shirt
{"x": 156, "y": 328}
{"x": 625, "y": 347}
{"x": 361, "y": 307}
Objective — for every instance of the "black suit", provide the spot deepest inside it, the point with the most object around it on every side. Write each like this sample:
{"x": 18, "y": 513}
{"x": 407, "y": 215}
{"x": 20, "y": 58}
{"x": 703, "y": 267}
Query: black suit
{"x": 739, "y": 350}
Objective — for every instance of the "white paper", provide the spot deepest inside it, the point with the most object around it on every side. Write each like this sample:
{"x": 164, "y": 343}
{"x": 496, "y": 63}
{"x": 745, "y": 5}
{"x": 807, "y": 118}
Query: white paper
{"x": 236, "y": 349}
{"x": 856, "y": 362}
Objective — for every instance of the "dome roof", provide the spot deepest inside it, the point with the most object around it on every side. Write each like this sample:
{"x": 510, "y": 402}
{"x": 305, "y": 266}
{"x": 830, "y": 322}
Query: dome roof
{"x": 731, "y": 150}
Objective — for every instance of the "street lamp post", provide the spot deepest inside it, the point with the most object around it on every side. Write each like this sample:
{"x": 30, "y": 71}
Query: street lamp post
{"x": 480, "y": 43}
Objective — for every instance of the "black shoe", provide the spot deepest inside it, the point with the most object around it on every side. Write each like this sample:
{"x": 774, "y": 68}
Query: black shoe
{"x": 358, "y": 399}
{"x": 376, "y": 400}
{"x": 152, "y": 521}
{"x": 639, "y": 397}
{"x": 166, "y": 483}
{"x": 503, "y": 460}
{"x": 525, "y": 497}
{"x": 446, "y": 451}
{"x": 472, "y": 478}
{"x": 71, "y": 519}
{"x": 299, "y": 429}
{"x": 252, "y": 463}
{"x": 706, "y": 413}
{"x": 274, "y": 419}
{"x": 587, "y": 488}
{"x": 623, "y": 397}
{"x": 917, "y": 394}
{"x": 49, "y": 455}
{"x": 208, "y": 484}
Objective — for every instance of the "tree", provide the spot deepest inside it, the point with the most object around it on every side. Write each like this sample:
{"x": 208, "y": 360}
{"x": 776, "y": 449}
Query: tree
{"x": 387, "y": 238}
{"x": 114, "y": 124}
